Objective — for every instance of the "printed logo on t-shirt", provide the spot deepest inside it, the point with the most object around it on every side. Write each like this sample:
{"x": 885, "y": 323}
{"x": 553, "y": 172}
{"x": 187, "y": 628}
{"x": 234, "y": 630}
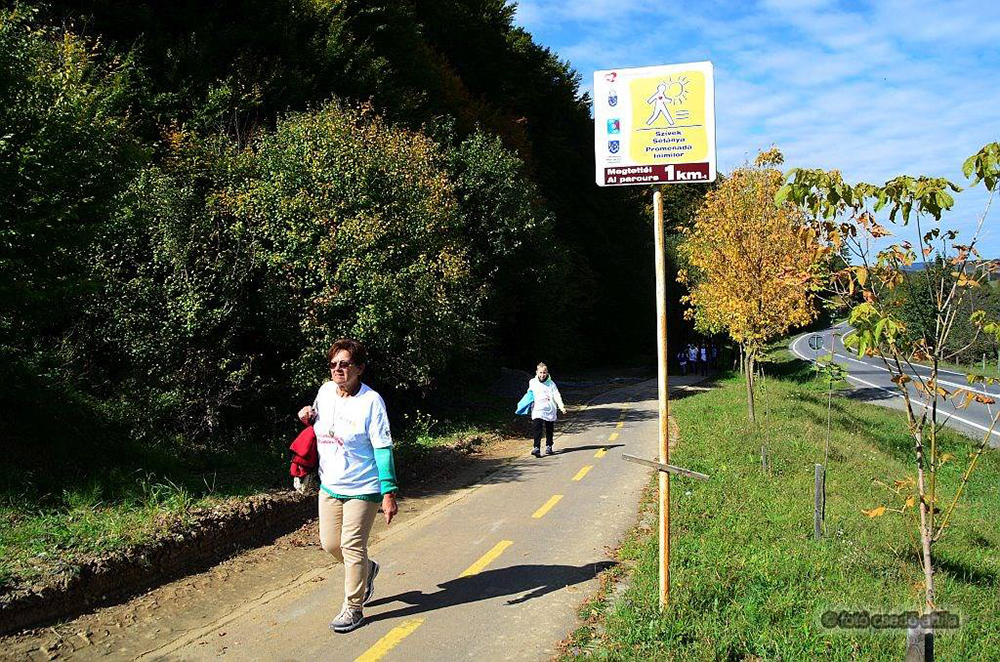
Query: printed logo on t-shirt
{"x": 333, "y": 439}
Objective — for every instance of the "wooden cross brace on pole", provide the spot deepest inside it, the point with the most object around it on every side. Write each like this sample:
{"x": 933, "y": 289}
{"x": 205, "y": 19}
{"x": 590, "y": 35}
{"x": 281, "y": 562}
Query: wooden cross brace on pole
{"x": 668, "y": 468}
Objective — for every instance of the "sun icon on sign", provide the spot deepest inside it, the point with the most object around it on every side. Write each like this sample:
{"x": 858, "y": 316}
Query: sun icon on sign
{"x": 677, "y": 90}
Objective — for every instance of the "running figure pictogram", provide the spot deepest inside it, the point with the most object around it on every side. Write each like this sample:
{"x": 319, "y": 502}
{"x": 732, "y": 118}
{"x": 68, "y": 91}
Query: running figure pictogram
{"x": 659, "y": 102}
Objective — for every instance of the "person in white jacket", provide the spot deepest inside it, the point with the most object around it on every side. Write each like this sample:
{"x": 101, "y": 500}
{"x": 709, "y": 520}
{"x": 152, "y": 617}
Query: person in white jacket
{"x": 546, "y": 400}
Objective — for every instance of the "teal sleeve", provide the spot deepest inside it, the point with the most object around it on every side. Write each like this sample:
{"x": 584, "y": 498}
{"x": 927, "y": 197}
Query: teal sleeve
{"x": 386, "y": 469}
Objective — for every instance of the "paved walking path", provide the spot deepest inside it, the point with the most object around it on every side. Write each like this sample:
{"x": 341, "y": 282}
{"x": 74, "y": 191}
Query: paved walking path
{"x": 495, "y": 573}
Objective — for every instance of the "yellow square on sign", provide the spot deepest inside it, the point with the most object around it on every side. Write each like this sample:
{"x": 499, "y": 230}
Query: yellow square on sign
{"x": 668, "y": 118}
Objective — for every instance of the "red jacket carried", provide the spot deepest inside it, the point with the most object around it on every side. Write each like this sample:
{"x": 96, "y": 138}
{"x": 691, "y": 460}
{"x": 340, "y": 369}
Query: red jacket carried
{"x": 305, "y": 458}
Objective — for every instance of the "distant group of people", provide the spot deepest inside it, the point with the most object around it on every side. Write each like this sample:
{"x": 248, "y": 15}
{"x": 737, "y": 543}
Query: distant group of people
{"x": 698, "y": 358}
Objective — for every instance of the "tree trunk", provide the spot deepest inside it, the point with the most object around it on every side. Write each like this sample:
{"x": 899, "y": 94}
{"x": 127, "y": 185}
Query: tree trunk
{"x": 926, "y": 533}
{"x": 748, "y": 373}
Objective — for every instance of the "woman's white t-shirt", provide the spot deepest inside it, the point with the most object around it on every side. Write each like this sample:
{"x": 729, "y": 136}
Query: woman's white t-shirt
{"x": 348, "y": 430}
{"x": 546, "y": 399}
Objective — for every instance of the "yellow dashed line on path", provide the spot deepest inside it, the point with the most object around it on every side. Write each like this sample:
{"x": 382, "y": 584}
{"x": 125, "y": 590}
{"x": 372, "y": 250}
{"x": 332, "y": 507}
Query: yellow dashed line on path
{"x": 620, "y": 425}
{"x": 601, "y": 453}
{"x": 389, "y": 641}
{"x": 548, "y": 506}
{"x": 487, "y": 558}
{"x": 614, "y": 435}
{"x": 583, "y": 472}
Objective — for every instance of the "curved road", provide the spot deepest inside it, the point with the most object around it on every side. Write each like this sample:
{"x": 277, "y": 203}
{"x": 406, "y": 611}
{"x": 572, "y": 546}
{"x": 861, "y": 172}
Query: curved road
{"x": 872, "y": 379}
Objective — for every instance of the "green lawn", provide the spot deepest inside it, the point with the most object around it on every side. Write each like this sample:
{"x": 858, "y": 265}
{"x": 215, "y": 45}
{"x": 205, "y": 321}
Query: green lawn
{"x": 975, "y": 368}
{"x": 747, "y": 579}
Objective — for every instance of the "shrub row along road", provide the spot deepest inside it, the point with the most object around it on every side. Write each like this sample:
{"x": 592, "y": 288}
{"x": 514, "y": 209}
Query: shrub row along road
{"x": 872, "y": 381}
{"x": 496, "y": 573}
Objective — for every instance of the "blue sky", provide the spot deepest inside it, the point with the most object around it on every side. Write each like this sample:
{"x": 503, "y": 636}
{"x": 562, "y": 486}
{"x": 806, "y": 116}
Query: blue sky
{"x": 873, "y": 89}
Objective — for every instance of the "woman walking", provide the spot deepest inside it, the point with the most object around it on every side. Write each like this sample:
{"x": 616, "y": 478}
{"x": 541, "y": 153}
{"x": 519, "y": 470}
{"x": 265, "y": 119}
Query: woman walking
{"x": 545, "y": 398}
{"x": 356, "y": 472}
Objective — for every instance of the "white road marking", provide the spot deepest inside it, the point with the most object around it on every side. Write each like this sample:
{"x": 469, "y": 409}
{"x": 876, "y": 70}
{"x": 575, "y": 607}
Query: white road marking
{"x": 896, "y": 394}
{"x": 940, "y": 381}
{"x": 884, "y": 369}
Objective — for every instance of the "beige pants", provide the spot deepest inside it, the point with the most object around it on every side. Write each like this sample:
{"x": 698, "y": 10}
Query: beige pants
{"x": 343, "y": 532}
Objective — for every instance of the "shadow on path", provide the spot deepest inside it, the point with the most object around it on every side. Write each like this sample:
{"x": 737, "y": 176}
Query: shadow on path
{"x": 532, "y": 580}
{"x": 870, "y": 394}
{"x": 591, "y": 447}
{"x": 609, "y": 413}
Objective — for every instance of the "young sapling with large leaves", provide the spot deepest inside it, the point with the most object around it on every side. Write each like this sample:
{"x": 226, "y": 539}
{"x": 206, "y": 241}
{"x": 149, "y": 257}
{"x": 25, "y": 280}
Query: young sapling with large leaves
{"x": 878, "y": 264}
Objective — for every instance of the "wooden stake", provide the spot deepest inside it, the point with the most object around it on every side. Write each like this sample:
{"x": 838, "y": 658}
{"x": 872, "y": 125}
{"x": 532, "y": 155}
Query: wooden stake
{"x": 661, "y": 371}
{"x": 819, "y": 505}
{"x": 919, "y": 644}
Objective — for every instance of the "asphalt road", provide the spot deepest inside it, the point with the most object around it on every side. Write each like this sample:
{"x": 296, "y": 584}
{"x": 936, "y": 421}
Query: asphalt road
{"x": 496, "y": 573}
{"x": 872, "y": 380}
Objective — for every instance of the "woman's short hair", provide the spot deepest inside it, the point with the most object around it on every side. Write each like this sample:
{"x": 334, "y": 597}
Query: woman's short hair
{"x": 359, "y": 355}
{"x": 541, "y": 365}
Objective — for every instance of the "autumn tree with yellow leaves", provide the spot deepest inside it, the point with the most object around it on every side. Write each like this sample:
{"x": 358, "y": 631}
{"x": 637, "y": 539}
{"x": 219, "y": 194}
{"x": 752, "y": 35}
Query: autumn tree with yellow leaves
{"x": 747, "y": 260}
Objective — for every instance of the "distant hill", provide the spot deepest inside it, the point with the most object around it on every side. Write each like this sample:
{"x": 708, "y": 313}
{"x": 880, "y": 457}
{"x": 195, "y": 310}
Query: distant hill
{"x": 920, "y": 266}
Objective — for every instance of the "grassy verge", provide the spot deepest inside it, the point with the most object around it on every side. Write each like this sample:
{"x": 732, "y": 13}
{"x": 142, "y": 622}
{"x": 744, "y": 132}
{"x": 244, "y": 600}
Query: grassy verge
{"x": 48, "y": 525}
{"x": 748, "y": 582}
{"x": 975, "y": 368}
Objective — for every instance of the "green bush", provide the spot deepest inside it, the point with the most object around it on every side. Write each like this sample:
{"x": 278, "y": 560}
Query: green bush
{"x": 65, "y": 153}
{"x": 513, "y": 250}
{"x": 227, "y": 273}
{"x": 185, "y": 226}
{"x": 356, "y": 225}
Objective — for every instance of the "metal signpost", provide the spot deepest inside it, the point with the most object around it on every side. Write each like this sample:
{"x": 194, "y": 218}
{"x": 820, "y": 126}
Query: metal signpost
{"x": 816, "y": 343}
{"x": 656, "y": 125}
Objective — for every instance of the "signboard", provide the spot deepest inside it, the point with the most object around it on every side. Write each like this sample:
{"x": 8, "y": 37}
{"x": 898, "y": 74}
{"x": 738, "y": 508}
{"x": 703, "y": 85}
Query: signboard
{"x": 655, "y": 125}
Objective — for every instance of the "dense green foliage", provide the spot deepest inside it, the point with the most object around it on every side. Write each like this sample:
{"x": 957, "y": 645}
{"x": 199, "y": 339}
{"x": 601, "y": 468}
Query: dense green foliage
{"x": 65, "y": 150}
{"x": 197, "y": 199}
{"x": 914, "y": 299}
{"x": 224, "y": 299}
